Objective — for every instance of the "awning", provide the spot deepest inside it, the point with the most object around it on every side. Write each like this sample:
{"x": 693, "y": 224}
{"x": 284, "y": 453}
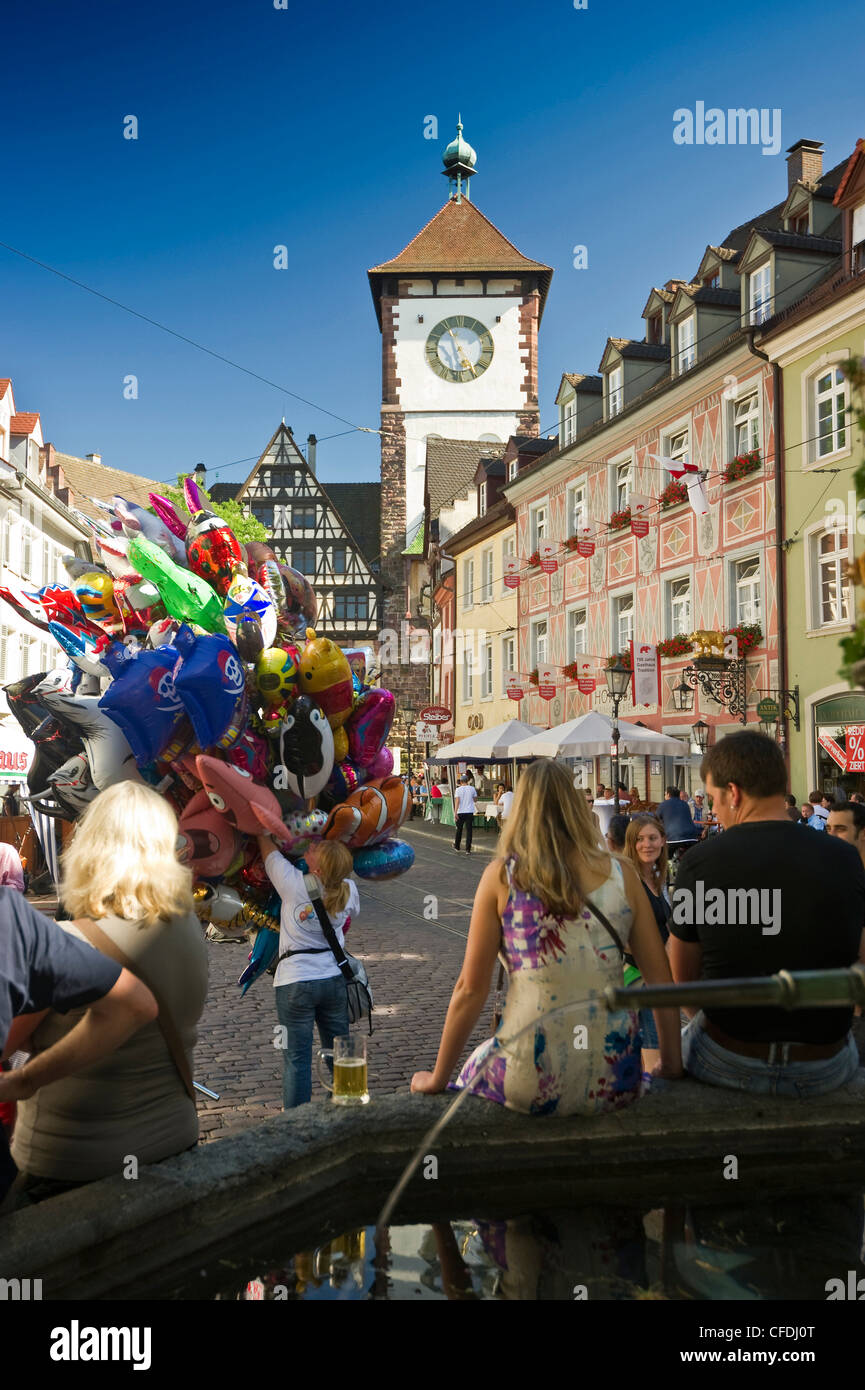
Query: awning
{"x": 591, "y": 736}
{"x": 496, "y": 745}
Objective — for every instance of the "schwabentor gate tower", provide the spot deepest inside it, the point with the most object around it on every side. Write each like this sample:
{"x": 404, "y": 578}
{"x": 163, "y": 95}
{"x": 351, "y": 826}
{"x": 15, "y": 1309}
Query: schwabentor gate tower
{"x": 459, "y": 310}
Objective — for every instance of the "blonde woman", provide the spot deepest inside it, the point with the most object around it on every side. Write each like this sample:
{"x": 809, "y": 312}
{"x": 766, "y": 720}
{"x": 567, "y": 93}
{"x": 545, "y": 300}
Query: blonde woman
{"x": 646, "y": 847}
{"x": 130, "y": 898}
{"x": 309, "y": 986}
{"x": 543, "y": 904}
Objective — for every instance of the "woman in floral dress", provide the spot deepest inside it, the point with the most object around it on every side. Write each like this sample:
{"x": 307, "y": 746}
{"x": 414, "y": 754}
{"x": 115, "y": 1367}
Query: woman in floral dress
{"x": 542, "y": 905}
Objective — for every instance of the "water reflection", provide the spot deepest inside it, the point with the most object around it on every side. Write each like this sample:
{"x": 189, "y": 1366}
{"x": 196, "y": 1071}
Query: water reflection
{"x": 780, "y": 1249}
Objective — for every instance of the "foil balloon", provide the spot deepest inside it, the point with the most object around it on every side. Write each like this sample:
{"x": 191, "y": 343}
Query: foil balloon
{"x": 326, "y": 675}
{"x": 220, "y": 905}
{"x": 263, "y": 952}
{"x": 109, "y": 754}
{"x": 270, "y": 579}
{"x": 276, "y": 675}
{"x": 210, "y": 682}
{"x": 381, "y": 765}
{"x": 249, "y": 752}
{"x": 186, "y": 595}
{"x": 386, "y": 860}
{"x": 212, "y": 548}
{"x": 114, "y": 551}
{"x": 137, "y": 522}
{"x": 245, "y": 804}
{"x": 82, "y": 647}
{"x": 360, "y": 819}
{"x": 138, "y": 600}
{"x": 356, "y": 658}
{"x": 207, "y": 843}
{"x": 27, "y": 606}
{"x": 168, "y": 514}
{"x": 306, "y": 748}
{"x": 60, "y": 604}
{"x": 344, "y": 780}
{"x": 73, "y": 784}
{"x": 299, "y": 592}
{"x": 95, "y": 593}
{"x": 142, "y": 699}
{"x": 369, "y": 725}
{"x": 303, "y": 829}
{"x": 397, "y": 795}
{"x": 247, "y": 599}
{"x": 248, "y": 638}
{"x": 340, "y": 745}
{"x": 256, "y": 554}
{"x": 163, "y": 632}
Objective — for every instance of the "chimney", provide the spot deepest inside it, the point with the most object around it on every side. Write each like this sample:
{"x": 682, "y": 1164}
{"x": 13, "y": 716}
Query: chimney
{"x": 804, "y": 162}
{"x": 94, "y": 458}
{"x": 311, "y": 443}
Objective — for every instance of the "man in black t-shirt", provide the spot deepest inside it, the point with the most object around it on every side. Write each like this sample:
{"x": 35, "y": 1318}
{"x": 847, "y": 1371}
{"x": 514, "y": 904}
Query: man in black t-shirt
{"x": 41, "y": 968}
{"x": 758, "y": 899}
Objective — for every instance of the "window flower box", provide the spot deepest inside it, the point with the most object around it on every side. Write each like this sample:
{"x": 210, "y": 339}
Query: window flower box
{"x": 620, "y": 658}
{"x": 620, "y": 520}
{"x": 572, "y": 670}
{"x": 534, "y": 559}
{"x": 748, "y": 635}
{"x": 674, "y": 493}
{"x": 675, "y": 646}
{"x": 742, "y": 465}
{"x": 533, "y": 677}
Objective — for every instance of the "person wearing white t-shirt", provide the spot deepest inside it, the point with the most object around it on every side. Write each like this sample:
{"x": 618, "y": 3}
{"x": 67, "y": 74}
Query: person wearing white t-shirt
{"x": 505, "y": 803}
{"x": 309, "y": 986}
{"x": 464, "y": 809}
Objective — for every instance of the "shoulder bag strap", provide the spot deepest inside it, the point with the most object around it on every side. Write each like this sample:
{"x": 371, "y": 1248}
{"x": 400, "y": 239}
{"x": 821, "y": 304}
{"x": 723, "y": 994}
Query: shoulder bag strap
{"x": 605, "y": 922}
{"x": 98, "y": 938}
{"x": 330, "y": 936}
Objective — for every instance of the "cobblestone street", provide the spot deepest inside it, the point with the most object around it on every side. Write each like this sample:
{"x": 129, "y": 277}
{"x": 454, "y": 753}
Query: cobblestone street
{"x": 412, "y": 964}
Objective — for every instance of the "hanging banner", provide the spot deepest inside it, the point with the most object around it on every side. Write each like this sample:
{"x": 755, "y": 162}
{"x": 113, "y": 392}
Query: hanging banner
{"x": 512, "y": 572}
{"x": 690, "y": 475}
{"x": 834, "y": 750}
{"x": 586, "y": 683}
{"x": 640, "y": 509}
{"x": 547, "y": 550}
{"x": 514, "y": 688}
{"x": 854, "y": 737}
{"x": 547, "y": 683}
{"x": 426, "y": 733}
{"x": 646, "y": 674}
{"x": 585, "y": 544}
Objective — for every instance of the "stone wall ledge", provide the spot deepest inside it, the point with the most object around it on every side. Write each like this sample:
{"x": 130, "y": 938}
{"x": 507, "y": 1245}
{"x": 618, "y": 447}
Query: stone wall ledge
{"x": 328, "y": 1167}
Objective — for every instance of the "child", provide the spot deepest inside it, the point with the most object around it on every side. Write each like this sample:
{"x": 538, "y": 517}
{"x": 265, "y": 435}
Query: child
{"x": 309, "y": 985}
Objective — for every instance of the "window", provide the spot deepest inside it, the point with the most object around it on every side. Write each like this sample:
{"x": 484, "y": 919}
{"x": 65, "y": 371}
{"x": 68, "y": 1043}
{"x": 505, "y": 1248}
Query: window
{"x": 678, "y": 606}
{"x": 8, "y": 651}
{"x": 437, "y": 646}
{"x": 622, "y": 484}
{"x": 509, "y": 550}
{"x": 828, "y": 558}
{"x": 509, "y": 657}
{"x": 653, "y": 328}
{"x": 482, "y": 499}
{"x": 577, "y": 510}
{"x": 746, "y": 424}
{"x": 487, "y": 670}
{"x": 538, "y": 525}
{"x": 676, "y": 446}
{"x": 686, "y": 344}
{"x": 303, "y": 518}
{"x": 614, "y": 392}
{"x": 712, "y": 281}
{"x": 27, "y": 553}
{"x": 623, "y": 621}
{"x": 263, "y": 512}
{"x": 351, "y": 607}
{"x": 487, "y": 576}
{"x": 540, "y": 639}
{"x": 303, "y": 558}
{"x": 513, "y": 469}
{"x": 799, "y": 224}
{"x": 746, "y": 604}
{"x": 468, "y": 676}
{"x": 576, "y": 633}
{"x": 830, "y": 402}
{"x": 338, "y": 559}
{"x": 569, "y": 421}
{"x": 468, "y": 584}
{"x": 760, "y": 290}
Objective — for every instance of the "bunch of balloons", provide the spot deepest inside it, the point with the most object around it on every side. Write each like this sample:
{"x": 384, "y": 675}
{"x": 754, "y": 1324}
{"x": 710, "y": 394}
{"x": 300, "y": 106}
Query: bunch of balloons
{"x": 194, "y": 666}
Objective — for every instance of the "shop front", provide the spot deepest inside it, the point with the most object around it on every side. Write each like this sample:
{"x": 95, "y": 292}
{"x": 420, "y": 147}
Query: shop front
{"x": 835, "y": 721}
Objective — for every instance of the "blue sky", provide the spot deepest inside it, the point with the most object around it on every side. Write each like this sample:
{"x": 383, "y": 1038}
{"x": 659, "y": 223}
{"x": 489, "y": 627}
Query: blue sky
{"x": 305, "y": 127}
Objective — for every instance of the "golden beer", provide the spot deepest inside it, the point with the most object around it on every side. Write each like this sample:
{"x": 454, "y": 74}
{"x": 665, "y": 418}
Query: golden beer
{"x": 349, "y": 1081}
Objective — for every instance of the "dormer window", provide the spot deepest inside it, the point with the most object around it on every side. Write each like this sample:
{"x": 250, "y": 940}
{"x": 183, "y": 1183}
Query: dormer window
{"x": 513, "y": 469}
{"x": 686, "y": 355}
{"x": 614, "y": 392}
{"x": 712, "y": 281}
{"x": 569, "y": 421}
{"x": 760, "y": 293}
{"x": 653, "y": 329}
{"x": 799, "y": 224}
{"x": 482, "y": 499}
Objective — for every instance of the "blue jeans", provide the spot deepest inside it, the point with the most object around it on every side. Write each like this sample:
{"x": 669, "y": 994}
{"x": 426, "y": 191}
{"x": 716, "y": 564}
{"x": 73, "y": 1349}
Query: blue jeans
{"x": 707, "y": 1061}
{"x": 298, "y": 1008}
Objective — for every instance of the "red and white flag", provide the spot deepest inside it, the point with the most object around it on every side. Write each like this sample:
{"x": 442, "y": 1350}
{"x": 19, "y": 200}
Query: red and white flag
{"x": 640, "y": 510}
{"x": 585, "y": 543}
{"x": 646, "y": 674}
{"x": 512, "y": 572}
{"x": 547, "y": 551}
{"x": 685, "y": 471}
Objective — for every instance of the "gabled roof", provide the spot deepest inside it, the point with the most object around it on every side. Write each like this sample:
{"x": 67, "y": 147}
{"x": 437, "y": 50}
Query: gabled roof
{"x": 633, "y": 347}
{"x": 459, "y": 240}
{"x": 5, "y": 383}
{"x": 451, "y": 465}
{"x": 25, "y": 423}
{"x": 701, "y": 294}
{"x": 857, "y": 155}
{"x": 359, "y": 507}
{"x": 89, "y": 480}
{"x": 790, "y": 241}
{"x": 582, "y": 383}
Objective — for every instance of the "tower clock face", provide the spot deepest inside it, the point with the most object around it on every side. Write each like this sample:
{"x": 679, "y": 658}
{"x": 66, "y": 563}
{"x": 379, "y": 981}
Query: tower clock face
{"x": 459, "y": 348}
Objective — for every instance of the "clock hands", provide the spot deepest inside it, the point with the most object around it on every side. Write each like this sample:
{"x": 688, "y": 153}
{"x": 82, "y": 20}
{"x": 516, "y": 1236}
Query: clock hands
{"x": 464, "y": 361}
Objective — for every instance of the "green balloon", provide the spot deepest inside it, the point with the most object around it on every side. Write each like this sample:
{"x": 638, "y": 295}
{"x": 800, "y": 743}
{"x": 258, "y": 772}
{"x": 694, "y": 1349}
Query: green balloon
{"x": 186, "y": 595}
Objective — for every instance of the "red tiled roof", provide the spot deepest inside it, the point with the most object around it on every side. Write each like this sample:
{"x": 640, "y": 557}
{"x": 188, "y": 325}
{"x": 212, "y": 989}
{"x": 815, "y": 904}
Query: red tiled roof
{"x": 5, "y": 383}
{"x": 846, "y": 176}
{"x": 24, "y": 423}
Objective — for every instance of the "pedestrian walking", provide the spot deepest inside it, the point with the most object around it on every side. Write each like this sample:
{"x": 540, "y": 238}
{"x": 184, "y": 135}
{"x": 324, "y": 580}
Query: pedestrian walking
{"x": 466, "y": 799}
{"x": 562, "y": 910}
{"x": 758, "y": 899}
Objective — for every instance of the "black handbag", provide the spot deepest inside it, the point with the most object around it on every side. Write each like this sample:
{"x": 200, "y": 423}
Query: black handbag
{"x": 357, "y": 987}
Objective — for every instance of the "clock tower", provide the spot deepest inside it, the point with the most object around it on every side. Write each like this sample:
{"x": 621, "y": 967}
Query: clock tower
{"x": 459, "y": 310}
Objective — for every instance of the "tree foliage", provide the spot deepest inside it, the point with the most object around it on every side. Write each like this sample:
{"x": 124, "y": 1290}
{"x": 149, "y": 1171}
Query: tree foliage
{"x": 246, "y": 528}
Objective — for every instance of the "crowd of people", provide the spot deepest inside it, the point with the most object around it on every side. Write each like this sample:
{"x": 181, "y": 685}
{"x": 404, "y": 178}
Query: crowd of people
{"x": 101, "y": 1011}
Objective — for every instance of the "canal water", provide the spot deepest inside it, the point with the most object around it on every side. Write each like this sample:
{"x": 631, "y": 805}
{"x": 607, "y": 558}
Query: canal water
{"x": 774, "y": 1249}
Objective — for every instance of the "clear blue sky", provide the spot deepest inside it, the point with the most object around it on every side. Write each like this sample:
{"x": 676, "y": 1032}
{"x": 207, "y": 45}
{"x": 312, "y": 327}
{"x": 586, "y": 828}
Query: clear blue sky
{"x": 304, "y": 127}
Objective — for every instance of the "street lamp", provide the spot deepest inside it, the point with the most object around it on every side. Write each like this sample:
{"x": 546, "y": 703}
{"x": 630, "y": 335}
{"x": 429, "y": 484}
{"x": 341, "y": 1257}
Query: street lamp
{"x": 409, "y": 715}
{"x": 618, "y": 677}
{"x": 683, "y": 697}
{"x": 700, "y": 733}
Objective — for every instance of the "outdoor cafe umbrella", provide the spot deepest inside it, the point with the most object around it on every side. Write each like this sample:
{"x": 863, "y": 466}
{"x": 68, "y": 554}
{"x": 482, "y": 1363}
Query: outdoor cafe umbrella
{"x": 496, "y": 745}
{"x": 590, "y": 736}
